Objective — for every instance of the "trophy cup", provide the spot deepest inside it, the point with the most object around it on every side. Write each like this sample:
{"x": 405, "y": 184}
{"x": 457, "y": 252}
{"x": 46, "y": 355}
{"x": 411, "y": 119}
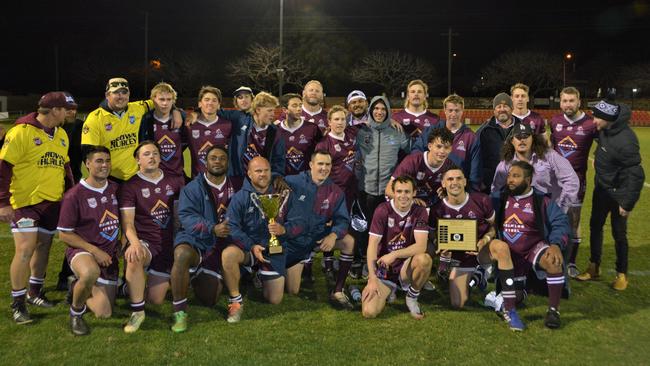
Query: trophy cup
{"x": 270, "y": 205}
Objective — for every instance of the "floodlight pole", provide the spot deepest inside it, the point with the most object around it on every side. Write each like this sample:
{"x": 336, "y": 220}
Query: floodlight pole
{"x": 280, "y": 69}
{"x": 146, "y": 54}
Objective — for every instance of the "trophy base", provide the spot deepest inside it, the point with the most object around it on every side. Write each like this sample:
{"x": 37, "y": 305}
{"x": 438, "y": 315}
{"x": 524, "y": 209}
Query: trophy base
{"x": 275, "y": 249}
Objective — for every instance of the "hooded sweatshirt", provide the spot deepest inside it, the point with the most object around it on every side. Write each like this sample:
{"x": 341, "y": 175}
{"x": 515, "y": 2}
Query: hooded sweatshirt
{"x": 618, "y": 162}
{"x": 378, "y": 145}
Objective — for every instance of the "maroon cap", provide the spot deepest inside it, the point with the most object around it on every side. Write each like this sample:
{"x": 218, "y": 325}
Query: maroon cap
{"x": 57, "y": 99}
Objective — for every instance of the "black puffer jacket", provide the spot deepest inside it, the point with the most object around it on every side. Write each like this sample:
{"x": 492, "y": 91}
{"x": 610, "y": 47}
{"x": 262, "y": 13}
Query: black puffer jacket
{"x": 618, "y": 162}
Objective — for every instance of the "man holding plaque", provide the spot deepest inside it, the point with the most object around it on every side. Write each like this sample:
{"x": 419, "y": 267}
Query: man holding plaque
{"x": 261, "y": 224}
{"x": 397, "y": 251}
{"x": 324, "y": 202}
{"x": 537, "y": 231}
{"x": 459, "y": 204}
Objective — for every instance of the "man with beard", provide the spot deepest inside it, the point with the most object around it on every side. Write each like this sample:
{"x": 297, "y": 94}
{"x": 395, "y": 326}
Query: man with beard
{"x": 490, "y": 137}
{"x": 572, "y": 134}
{"x": 312, "y": 106}
{"x": 537, "y": 231}
{"x": 203, "y": 235}
{"x": 357, "y": 105}
{"x": 619, "y": 180}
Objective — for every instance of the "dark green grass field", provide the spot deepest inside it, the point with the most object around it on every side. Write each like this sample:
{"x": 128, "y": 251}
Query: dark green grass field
{"x": 599, "y": 325}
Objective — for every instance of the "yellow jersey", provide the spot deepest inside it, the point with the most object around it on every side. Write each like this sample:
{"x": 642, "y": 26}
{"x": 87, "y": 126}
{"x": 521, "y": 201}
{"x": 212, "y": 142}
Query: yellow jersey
{"x": 118, "y": 134}
{"x": 38, "y": 164}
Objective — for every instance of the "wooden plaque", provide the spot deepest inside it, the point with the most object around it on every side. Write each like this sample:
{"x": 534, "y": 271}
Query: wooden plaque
{"x": 457, "y": 234}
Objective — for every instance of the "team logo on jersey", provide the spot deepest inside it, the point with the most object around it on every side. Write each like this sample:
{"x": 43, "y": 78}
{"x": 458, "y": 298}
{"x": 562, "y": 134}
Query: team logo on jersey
{"x": 312, "y": 120}
{"x": 295, "y": 158}
{"x": 391, "y": 222}
{"x": 397, "y": 242}
{"x": 169, "y": 190}
{"x": 291, "y": 138}
{"x": 471, "y": 214}
{"x": 406, "y": 121}
{"x": 108, "y": 127}
{"x": 196, "y": 134}
{"x": 161, "y": 214}
{"x": 63, "y": 142}
{"x": 512, "y": 228}
{"x": 202, "y": 153}
{"x": 303, "y": 139}
{"x": 580, "y": 131}
{"x": 567, "y": 146}
{"x": 37, "y": 141}
{"x": 337, "y": 147}
{"x": 419, "y": 175}
{"x": 114, "y": 199}
{"x": 301, "y": 198}
{"x": 461, "y": 146}
{"x": 516, "y": 205}
{"x": 207, "y": 132}
{"x": 167, "y": 148}
{"x": 104, "y": 199}
{"x": 218, "y": 134}
{"x": 164, "y": 127}
{"x": 145, "y": 192}
{"x": 157, "y": 190}
{"x": 406, "y": 224}
{"x": 325, "y": 205}
{"x": 85, "y": 130}
{"x": 92, "y": 202}
{"x": 569, "y": 128}
{"x": 131, "y": 119}
{"x": 109, "y": 226}
{"x": 558, "y": 128}
{"x": 528, "y": 208}
{"x": 427, "y": 123}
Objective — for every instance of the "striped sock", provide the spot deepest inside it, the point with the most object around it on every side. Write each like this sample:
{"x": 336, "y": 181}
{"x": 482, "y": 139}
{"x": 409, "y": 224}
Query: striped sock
{"x": 328, "y": 257}
{"x": 345, "y": 262}
{"x": 77, "y": 312}
{"x": 232, "y": 299}
{"x": 35, "y": 285}
{"x": 555, "y": 283}
{"x": 19, "y": 295}
{"x": 180, "y": 305}
{"x": 137, "y": 306}
{"x": 412, "y": 292}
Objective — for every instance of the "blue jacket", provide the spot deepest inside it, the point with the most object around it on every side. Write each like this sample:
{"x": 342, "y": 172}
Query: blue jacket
{"x": 249, "y": 228}
{"x": 197, "y": 215}
{"x": 323, "y": 206}
{"x": 547, "y": 214}
{"x": 471, "y": 164}
{"x": 241, "y": 126}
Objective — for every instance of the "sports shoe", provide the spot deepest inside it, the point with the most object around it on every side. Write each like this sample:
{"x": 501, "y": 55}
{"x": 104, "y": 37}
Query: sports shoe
{"x": 40, "y": 300}
{"x": 235, "y": 309}
{"x": 20, "y": 313}
{"x": 592, "y": 273}
{"x": 429, "y": 286}
{"x": 78, "y": 326}
{"x": 514, "y": 322}
{"x": 414, "y": 307}
{"x": 134, "y": 322}
{"x": 342, "y": 300}
{"x": 180, "y": 322}
{"x": 620, "y": 283}
{"x": 552, "y": 320}
{"x": 572, "y": 270}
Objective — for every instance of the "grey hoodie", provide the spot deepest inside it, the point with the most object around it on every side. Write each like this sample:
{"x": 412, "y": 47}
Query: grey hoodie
{"x": 378, "y": 145}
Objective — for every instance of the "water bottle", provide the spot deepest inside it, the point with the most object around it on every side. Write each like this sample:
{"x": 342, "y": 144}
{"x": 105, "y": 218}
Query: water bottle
{"x": 355, "y": 293}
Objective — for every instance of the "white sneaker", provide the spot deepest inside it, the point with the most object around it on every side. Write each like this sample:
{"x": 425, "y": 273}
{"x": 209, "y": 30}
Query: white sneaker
{"x": 414, "y": 307}
{"x": 494, "y": 301}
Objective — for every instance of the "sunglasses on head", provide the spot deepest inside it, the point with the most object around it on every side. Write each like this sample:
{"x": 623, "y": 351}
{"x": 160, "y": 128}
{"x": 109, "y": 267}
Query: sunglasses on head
{"x": 115, "y": 84}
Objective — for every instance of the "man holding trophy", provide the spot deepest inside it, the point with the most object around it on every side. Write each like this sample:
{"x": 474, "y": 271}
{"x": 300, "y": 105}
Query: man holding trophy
{"x": 261, "y": 222}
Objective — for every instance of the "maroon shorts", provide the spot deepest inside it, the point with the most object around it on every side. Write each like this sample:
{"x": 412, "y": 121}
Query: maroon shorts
{"x": 464, "y": 260}
{"x": 209, "y": 262}
{"x": 107, "y": 275}
{"x": 162, "y": 260}
{"x": 582, "y": 178}
{"x": 524, "y": 262}
{"x": 42, "y": 217}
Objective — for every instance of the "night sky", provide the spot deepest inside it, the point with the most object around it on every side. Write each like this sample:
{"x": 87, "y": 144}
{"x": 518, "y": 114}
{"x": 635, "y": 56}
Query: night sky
{"x": 102, "y": 32}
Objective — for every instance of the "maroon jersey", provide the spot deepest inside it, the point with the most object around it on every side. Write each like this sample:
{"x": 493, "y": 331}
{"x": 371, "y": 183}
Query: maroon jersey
{"x": 415, "y": 123}
{"x": 519, "y": 228}
{"x": 427, "y": 179}
{"x": 299, "y": 143}
{"x": 343, "y": 160}
{"x": 93, "y": 214}
{"x": 202, "y": 136}
{"x": 477, "y": 206}
{"x": 464, "y": 140}
{"x": 223, "y": 193}
{"x": 171, "y": 141}
{"x": 573, "y": 139}
{"x": 255, "y": 142}
{"x": 396, "y": 231}
{"x": 153, "y": 201}
{"x": 319, "y": 119}
{"x": 534, "y": 120}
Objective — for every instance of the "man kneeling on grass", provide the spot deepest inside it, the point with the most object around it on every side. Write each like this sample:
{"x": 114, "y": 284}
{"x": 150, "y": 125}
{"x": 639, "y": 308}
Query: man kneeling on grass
{"x": 89, "y": 223}
{"x": 397, "y": 251}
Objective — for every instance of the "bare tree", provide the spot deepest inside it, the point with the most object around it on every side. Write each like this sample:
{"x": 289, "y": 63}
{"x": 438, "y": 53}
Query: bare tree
{"x": 539, "y": 70}
{"x": 392, "y": 70}
{"x": 259, "y": 68}
{"x": 186, "y": 72}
